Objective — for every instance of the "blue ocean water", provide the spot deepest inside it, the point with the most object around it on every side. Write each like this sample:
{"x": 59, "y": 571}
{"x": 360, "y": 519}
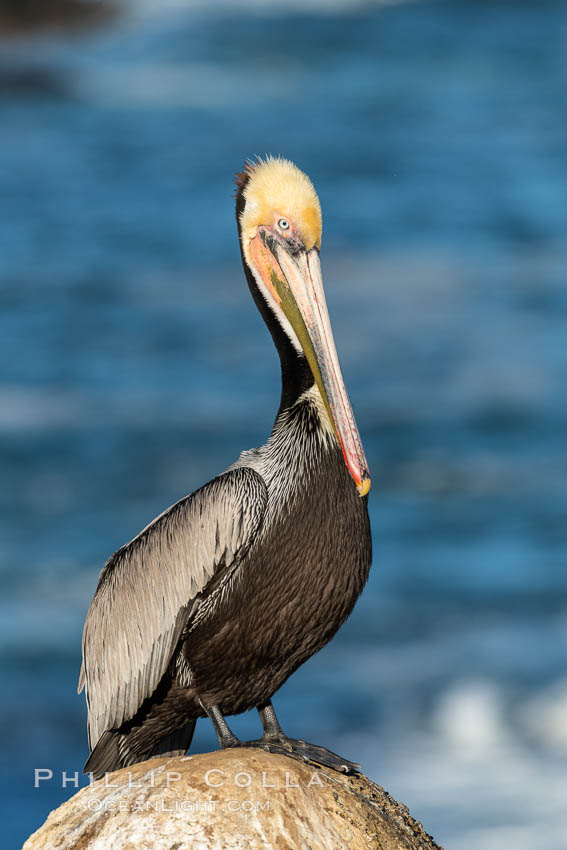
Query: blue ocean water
{"x": 134, "y": 366}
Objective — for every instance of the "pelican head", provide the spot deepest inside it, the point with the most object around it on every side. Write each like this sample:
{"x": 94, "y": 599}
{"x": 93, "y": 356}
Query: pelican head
{"x": 280, "y": 231}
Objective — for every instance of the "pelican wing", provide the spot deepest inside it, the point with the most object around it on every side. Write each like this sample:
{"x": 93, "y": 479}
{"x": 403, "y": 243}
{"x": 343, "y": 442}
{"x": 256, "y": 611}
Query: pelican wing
{"x": 147, "y": 590}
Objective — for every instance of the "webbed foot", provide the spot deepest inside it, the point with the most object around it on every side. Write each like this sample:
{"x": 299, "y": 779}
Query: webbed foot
{"x": 304, "y": 751}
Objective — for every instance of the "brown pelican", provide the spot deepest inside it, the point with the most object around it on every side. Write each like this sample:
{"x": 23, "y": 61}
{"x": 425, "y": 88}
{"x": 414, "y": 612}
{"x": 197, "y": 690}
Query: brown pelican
{"x": 224, "y": 595}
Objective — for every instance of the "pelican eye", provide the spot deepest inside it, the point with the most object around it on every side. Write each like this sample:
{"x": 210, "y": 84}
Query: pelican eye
{"x": 283, "y": 224}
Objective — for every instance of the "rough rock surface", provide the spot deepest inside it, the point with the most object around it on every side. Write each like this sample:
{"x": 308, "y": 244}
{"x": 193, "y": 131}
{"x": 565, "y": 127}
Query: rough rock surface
{"x": 238, "y": 799}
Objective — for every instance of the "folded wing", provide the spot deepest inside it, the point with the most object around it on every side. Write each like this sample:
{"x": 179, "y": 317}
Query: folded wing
{"x": 149, "y": 588}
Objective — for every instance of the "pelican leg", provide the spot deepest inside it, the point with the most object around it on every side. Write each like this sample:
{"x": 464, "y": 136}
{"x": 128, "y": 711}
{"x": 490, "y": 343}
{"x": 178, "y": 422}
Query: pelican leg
{"x": 274, "y": 740}
{"x": 270, "y": 722}
{"x": 226, "y": 736}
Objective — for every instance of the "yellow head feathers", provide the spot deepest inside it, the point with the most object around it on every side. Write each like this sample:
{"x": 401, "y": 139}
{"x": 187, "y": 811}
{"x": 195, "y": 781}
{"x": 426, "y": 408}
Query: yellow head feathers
{"x": 277, "y": 189}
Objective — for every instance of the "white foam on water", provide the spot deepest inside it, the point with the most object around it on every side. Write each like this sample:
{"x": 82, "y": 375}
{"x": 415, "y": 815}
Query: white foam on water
{"x": 470, "y": 716}
{"x": 470, "y": 777}
{"x": 545, "y": 717}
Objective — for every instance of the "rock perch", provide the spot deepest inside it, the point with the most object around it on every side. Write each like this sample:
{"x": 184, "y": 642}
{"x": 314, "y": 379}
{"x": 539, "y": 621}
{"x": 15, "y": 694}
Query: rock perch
{"x": 234, "y": 799}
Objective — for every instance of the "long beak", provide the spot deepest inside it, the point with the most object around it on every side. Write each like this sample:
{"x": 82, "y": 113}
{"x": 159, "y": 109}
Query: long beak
{"x": 295, "y": 282}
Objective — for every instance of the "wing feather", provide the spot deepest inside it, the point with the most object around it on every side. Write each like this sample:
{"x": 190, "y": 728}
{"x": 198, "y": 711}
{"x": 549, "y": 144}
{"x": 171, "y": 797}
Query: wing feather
{"x": 146, "y": 589}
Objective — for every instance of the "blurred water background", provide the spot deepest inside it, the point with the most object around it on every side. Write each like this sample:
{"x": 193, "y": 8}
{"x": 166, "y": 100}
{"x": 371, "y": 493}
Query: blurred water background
{"x": 134, "y": 366}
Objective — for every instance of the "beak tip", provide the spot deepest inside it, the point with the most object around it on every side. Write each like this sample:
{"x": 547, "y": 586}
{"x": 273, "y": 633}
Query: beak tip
{"x": 364, "y": 487}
